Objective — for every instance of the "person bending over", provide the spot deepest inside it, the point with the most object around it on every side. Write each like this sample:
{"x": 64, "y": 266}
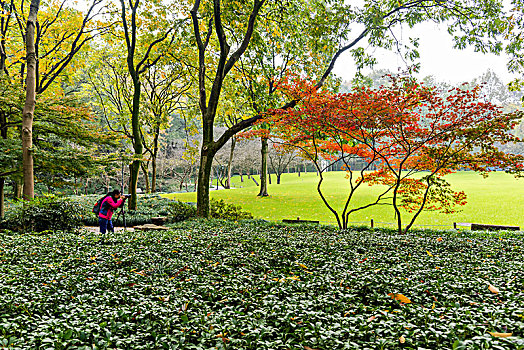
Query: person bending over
{"x": 113, "y": 201}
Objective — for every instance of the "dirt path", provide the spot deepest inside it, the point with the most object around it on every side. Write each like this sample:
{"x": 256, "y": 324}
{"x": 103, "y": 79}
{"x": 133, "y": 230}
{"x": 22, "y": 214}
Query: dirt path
{"x": 96, "y": 229}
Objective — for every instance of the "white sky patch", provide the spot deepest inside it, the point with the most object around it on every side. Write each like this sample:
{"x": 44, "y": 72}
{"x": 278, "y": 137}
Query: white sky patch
{"x": 437, "y": 57}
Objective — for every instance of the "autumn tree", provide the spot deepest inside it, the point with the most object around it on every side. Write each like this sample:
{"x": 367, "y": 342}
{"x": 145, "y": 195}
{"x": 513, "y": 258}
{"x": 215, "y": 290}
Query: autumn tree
{"x": 44, "y": 54}
{"x": 410, "y": 133}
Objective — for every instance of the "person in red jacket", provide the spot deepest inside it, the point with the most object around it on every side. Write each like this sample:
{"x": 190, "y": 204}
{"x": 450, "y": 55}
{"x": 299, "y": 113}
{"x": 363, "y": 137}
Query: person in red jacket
{"x": 111, "y": 202}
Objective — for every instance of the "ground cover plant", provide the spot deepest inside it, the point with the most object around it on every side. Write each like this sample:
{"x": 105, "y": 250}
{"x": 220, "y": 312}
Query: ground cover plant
{"x": 253, "y": 285}
{"x": 494, "y": 200}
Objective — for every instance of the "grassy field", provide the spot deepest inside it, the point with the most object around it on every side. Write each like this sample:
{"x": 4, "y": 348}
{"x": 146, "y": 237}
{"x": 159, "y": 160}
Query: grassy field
{"x": 496, "y": 200}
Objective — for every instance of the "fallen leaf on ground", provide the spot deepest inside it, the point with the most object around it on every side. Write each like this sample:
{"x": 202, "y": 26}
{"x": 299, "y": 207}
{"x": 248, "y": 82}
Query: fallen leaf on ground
{"x": 493, "y": 289}
{"x": 500, "y": 335}
{"x": 400, "y": 297}
{"x": 402, "y": 340}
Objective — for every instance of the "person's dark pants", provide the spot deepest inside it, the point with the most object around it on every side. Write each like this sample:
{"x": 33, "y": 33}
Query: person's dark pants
{"x": 105, "y": 225}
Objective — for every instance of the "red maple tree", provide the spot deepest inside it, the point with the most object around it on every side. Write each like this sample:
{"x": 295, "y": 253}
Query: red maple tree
{"x": 408, "y": 135}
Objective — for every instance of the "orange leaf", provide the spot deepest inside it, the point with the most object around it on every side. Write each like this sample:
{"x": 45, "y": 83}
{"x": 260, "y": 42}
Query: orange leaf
{"x": 501, "y": 335}
{"x": 400, "y": 297}
{"x": 493, "y": 289}
{"x": 402, "y": 340}
{"x": 439, "y": 239}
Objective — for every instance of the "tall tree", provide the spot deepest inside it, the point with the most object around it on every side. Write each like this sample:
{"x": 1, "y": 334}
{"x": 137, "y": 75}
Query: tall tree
{"x": 30, "y": 100}
{"x": 58, "y": 48}
{"x": 226, "y": 61}
{"x": 139, "y": 61}
{"x": 164, "y": 87}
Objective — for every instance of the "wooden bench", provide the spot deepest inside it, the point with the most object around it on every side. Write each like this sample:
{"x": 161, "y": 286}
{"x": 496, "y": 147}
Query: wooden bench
{"x": 483, "y": 227}
{"x": 298, "y": 221}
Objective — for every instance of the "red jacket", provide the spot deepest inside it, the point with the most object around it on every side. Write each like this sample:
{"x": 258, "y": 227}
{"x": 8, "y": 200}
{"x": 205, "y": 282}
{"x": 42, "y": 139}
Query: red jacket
{"x": 108, "y": 206}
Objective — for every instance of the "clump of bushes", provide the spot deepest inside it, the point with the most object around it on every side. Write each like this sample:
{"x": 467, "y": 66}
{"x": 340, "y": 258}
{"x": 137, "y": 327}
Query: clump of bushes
{"x": 180, "y": 211}
{"x": 42, "y": 214}
{"x": 218, "y": 209}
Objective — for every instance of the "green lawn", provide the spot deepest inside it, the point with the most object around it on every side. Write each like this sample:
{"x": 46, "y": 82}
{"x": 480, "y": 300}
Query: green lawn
{"x": 496, "y": 200}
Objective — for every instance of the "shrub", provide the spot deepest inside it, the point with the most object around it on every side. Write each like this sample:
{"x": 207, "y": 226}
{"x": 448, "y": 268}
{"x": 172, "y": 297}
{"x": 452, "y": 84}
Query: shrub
{"x": 180, "y": 211}
{"x": 219, "y": 209}
{"x": 45, "y": 213}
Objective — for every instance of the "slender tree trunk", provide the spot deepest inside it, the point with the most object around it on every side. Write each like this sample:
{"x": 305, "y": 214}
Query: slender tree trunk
{"x": 3, "y": 133}
{"x": 146, "y": 176}
{"x": 241, "y": 176}
{"x": 18, "y": 188}
{"x": 269, "y": 175}
{"x": 263, "y": 169}
{"x": 2, "y": 195}
{"x": 154, "y": 160}
{"x": 30, "y": 101}
{"x": 137, "y": 143}
{"x": 230, "y": 162}
{"x": 278, "y": 178}
{"x": 195, "y": 181}
{"x": 204, "y": 175}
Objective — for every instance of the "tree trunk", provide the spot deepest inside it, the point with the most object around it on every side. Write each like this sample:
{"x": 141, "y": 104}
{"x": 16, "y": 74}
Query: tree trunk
{"x": 278, "y": 178}
{"x": 30, "y": 101}
{"x": 230, "y": 162}
{"x": 263, "y": 169}
{"x": 204, "y": 175}
{"x": 3, "y": 134}
{"x": 18, "y": 189}
{"x": 2, "y": 205}
{"x": 137, "y": 144}
{"x": 146, "y": 176}
{"x": 153, "y": 161}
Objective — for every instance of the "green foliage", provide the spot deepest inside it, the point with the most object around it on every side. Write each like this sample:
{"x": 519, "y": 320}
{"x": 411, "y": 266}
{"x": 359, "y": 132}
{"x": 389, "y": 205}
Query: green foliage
{"x": 219, "y": 209}
{"x": 180, "y": 211}
{"x": 258, "y": 286}
{"x": 44, "y": 213}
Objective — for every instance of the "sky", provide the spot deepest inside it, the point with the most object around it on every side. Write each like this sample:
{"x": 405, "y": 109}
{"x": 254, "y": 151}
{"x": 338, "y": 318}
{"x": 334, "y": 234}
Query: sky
{"x": 437, "y": 58}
